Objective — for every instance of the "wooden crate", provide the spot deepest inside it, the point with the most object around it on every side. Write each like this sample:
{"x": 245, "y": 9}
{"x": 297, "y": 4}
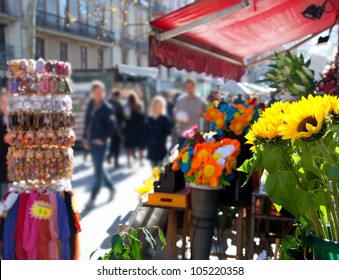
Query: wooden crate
{"x": 180, "y": 199}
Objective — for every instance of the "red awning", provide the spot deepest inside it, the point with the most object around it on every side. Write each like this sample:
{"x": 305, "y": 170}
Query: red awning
{"x": 219, "y": 36}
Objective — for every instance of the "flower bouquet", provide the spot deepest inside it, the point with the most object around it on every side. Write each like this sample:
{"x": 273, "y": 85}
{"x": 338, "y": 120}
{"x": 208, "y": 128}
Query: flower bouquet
{"x": 205, "y": 161}
{"x": 233, "y": 118}
{"x": 297, "y": 143}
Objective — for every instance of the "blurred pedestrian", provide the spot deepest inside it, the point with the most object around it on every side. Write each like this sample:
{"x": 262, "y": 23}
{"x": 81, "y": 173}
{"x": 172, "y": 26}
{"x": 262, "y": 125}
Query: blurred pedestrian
{"x": 158, "y": 128}
{"x": 3, "y": 146}
{"x": 273, "y": 99}
{"x": 238, "y": 100}
{"x": 134, "y": 128}
{"x": 189, "y": 109}
{"x": 99, "y": 127}
{"x": 118, "y": 136}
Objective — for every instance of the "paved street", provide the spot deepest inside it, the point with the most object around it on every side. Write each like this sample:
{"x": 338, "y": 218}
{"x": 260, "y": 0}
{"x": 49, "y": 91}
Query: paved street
{"x": 99, "y": 224}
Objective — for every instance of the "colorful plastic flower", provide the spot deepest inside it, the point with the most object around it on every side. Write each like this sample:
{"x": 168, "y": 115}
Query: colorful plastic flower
{"x": 185, "y": 161}
{"x": 222, "y": 153}
{"x": 231, "y": 164}
{"x": 212, "y": 114}
{"x": 210, "y": 173}
{"x": 190, "y": 133}
{"x": 238, "y": 125}
{"x": 202, "y": 153}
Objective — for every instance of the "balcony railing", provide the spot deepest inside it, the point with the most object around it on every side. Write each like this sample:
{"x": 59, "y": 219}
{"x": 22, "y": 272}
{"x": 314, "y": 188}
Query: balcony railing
{"x": 11, "y": 8}
{"x": 6, "y": 53}
{"x": 64, "y": 24}
{"x": 142, "y": 45}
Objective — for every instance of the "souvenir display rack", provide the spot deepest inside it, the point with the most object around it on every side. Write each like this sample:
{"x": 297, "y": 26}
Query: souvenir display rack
{"x": 42, "y": 222}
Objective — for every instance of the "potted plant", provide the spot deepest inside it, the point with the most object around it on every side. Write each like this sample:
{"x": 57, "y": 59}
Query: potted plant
{"x": 207, "y": 165}
{"x": 297, "y": 143}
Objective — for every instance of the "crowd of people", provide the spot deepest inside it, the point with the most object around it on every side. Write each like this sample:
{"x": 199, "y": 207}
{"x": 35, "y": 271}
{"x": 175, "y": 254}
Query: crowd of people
{"x": 111, "y": 124}
{"x": 115, "y": 121}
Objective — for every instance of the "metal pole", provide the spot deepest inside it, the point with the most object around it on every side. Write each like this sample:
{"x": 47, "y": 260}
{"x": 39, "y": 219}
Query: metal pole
{"x": 203, "y": 20}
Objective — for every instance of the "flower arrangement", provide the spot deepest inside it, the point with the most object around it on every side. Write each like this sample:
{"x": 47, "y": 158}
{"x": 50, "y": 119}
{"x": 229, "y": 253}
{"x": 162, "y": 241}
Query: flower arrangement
{"x": 297, "y": 143}
{"x": 235, "y": 118}
{"x": 205, "y": 161}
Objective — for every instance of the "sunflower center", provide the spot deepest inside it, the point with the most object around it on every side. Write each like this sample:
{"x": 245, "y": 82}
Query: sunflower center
{"x": 209, "y": 170}
{"x": 309, "y": 120}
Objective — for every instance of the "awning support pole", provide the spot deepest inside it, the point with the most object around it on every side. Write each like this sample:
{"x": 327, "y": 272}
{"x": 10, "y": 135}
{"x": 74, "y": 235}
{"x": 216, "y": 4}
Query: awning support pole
{"x": 203, "y": 20}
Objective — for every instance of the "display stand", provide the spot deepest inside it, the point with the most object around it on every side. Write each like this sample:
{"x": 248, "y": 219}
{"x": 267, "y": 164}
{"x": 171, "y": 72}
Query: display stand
{"x": 42, "y": 223}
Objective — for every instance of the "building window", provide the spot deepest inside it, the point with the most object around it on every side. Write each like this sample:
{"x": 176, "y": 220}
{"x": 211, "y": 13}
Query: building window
{"x": 41, "y": 5}
{"x": 63, "y": 51}
{"x": 139, "y": 60}
{"x": 40, "y": 48}
{"x": 83, "y": 57}
{"x": 100, "y": 58}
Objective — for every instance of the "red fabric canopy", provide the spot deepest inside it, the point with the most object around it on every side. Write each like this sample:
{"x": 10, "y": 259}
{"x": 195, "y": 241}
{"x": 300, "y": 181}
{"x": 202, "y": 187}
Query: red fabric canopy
{"x": 246, "y": 33}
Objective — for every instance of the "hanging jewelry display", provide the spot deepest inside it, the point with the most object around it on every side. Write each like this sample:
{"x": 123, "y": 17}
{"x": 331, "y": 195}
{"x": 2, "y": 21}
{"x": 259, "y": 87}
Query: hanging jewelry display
{"x": 39, "y": 216}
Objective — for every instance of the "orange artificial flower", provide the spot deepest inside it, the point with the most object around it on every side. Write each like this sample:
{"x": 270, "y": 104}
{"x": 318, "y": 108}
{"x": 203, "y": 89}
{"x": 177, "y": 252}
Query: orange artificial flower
{"x": 209, "y": 173}
{"x": 212, "y": 114}
{"x": 231, "y": 164}
{"x": 238, "y": 125}
{"x": 175, "y": 165}
{"x": 202, "y": 153}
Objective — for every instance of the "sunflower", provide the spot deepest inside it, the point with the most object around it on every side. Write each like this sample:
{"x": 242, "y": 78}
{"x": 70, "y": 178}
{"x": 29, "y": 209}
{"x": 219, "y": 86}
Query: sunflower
{"x": 267, "y": 126}
{"x": 305, "y": 118}
{"x": 209, "y": 173}
{"x": 334, "y": 103}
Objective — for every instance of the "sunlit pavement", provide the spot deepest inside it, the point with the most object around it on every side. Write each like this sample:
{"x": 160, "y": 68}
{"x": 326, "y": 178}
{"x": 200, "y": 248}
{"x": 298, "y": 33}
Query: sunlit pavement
{"x": 99, "y": 224}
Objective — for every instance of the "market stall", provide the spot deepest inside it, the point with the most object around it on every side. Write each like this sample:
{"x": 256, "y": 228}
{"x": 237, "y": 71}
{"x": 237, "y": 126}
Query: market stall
{"x": 223, "y": 38}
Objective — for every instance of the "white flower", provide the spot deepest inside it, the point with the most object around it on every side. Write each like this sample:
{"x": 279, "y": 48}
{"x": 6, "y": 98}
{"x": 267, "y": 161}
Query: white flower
{"x": 222, "y": 153}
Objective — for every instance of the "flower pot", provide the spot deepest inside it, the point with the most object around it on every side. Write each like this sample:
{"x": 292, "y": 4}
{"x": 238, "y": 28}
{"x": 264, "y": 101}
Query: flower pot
{"x": 205, "y": 201}
{"x": 323, "y": 249}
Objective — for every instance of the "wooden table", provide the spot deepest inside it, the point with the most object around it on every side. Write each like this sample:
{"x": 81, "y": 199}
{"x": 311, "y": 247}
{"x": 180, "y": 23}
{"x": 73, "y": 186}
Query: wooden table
{"x": 174, "y": 203}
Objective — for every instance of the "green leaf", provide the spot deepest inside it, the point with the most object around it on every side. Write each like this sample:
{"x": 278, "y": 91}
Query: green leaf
{"x": 282, "y": 190}
{"x": 117, "y": 245}
{"x": 277, "y": 207}
{"x": 272, "y": 158}
{"x": 323, "y": 210}
{"x": 149, "y": 238}
{"x": 332, "y": 172}
{"x": 135, "y": 245}
{"x": 162, "y": 237}
{"x": 126, "y": 255}
{"x": 91, "y": 255}
{"x": 248, "y": 167}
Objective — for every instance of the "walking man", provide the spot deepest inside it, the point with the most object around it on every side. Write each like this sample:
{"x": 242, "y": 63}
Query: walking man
{"x": 188, "y": 110}
{"x": 99, "y": 127}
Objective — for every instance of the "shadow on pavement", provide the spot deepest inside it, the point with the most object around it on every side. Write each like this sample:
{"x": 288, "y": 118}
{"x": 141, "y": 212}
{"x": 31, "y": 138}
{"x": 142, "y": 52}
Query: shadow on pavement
{"x": 106, "y": 244}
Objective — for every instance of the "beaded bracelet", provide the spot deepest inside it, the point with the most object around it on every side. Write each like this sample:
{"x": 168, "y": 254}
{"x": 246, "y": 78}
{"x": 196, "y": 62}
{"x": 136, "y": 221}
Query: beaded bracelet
{"x": 43, "y": 86}
{"x": 37, "y": 120}
{"x": 44, "y": 165}
{"x": 45, "y": 138}
{"x": 20, "y": 68}
{"x": 44, "y": 103}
